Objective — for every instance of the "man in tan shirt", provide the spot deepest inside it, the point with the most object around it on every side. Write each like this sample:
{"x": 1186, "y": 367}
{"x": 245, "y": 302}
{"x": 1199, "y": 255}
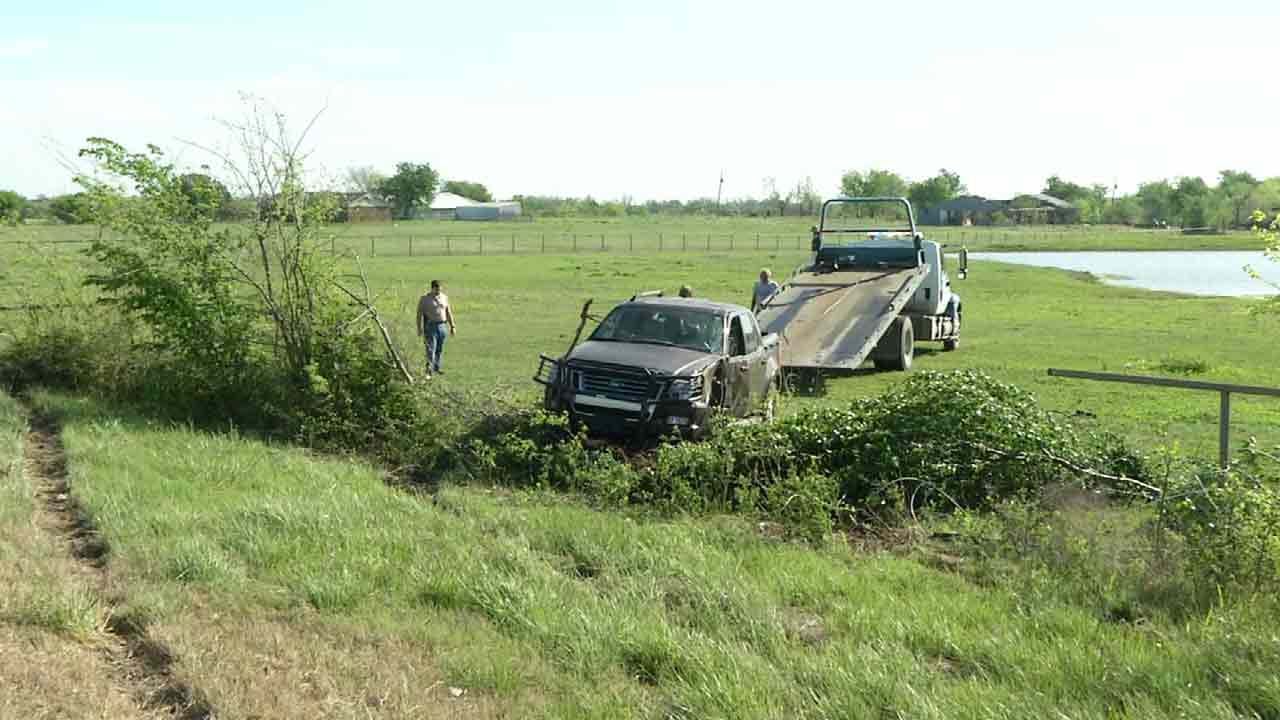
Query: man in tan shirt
{"x": 434, "y": 312}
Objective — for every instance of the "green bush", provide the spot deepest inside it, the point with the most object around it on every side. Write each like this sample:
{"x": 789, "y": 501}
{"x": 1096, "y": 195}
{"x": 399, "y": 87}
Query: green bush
{"x": 939, "y": 441}
{"x": 1230, "y": 521}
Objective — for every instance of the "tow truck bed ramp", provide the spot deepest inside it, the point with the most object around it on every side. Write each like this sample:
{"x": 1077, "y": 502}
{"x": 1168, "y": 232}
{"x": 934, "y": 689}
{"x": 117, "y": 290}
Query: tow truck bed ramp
{"x": 833, "y": 320}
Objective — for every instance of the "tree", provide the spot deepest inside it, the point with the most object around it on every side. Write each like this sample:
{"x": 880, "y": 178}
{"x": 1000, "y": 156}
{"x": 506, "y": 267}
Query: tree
{"x": 364, "y": 179}
{"x": 203, "y": 191}
{"x": 873, "y": 183}
{"x": 1156, "y": 201}
{"x": 71, "y": 209}
{"x": 1189, "y": 201}
{"x": 1066, "y": 190}
{"x": 13, "y": 207}
{"x": 1235, "y": 187}
{"x": 805, "y": 196}
{"x": 937, "y": 189}
{"x": 413, "y": 184}
{"x": 470, "y": 190}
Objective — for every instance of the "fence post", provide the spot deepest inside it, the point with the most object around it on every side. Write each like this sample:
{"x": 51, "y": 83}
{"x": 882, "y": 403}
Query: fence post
{"x": 757, "y": 241}
{"x": 333, "y": 245}
{"x": 777, "y": 243}
{"x": 1224, "y": 431}
{"x": 410, "y": 246}
{"x": 631, "y": 242}
{"x": 659, "y": 242}
{"x": 372, "y": 251}
{"x": 708, "y": 241}
{"x": 602, "y": 247}
{"x": 575, "y": 242}
{"x": 481, "y": 243}
{"x": 448, "y": 246}
{"x": 544, "y": 243}
{"x": 513, "y": 243}
{"x": 684, "y": 241}
{"x": 730, "y": 241}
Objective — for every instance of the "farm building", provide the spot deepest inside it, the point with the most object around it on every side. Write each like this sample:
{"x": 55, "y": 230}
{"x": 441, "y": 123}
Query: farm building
{"x": 445, "y": 206}
{"x": 1041, "y": 209}
{"x": 1029, "y": 209}
{"x": 368, "y": 208}
{"x": 489, "y": 211}
{"x": 964, "y": 210}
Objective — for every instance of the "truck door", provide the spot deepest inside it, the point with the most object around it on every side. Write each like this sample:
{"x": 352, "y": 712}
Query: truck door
{"x": 760, "y": 371}
{"x": 739, "y": 385}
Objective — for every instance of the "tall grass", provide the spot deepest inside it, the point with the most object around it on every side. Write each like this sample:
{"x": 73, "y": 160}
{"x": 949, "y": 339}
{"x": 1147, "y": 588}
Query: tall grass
{"x": 603, "y": 614}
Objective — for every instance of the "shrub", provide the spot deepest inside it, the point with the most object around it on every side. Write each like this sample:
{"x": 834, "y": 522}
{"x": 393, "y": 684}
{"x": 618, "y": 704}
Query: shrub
{"x": 1230, "y": 521}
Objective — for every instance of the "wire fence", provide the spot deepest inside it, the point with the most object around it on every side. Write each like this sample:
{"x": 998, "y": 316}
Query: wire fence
{"x": 525, "y": 242}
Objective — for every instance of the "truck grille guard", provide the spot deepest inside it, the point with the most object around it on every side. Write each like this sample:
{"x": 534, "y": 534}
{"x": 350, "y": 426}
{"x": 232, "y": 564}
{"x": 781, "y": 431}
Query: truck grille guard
{"x": 617, "y": 382}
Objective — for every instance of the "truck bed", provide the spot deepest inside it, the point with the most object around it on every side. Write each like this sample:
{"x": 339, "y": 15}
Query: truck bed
{"x": 832, "y": 320}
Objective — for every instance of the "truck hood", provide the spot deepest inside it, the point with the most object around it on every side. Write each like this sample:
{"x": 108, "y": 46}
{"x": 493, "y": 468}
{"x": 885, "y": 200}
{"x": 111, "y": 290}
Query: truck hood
{"x": 659, "y": 358}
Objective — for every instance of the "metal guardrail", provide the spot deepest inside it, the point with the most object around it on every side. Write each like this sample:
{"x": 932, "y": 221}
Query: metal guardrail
{"x": 1224, "y": 389}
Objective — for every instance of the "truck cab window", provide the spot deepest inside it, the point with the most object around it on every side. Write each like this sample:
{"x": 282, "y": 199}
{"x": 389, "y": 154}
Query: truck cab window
{"x": 737, "y": 341}
{"x": 751, "y": 333}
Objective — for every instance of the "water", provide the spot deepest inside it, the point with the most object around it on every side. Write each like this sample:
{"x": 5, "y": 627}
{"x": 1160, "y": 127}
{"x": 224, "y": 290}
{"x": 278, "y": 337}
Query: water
{"x": 1191, "y": 272}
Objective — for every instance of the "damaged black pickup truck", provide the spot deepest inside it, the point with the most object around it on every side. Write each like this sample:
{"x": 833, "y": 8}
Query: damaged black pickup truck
{"x": 657, "y": 365}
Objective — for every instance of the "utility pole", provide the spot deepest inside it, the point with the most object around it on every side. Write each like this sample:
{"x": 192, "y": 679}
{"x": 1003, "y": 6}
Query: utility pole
{"x": 719, "y": 190}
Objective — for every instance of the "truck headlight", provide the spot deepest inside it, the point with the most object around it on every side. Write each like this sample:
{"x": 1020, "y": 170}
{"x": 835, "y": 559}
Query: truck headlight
{"x": 684, "y": 388}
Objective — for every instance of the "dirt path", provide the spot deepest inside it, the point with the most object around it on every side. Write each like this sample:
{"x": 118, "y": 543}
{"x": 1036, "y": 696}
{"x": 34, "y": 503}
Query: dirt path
{"x": 141, "y": 666}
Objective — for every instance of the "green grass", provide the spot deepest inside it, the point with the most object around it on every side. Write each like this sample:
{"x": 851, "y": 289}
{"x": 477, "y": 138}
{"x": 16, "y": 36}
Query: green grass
{"x": 599, "y": 614}
{"x": 1019, "y": 321}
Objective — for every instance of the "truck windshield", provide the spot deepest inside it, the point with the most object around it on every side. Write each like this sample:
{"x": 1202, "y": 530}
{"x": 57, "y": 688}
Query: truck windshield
{"x": 679, "y": 327}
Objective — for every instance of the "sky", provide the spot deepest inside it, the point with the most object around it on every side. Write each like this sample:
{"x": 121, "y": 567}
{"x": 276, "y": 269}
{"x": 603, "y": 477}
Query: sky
{"x": 655, "y": 99}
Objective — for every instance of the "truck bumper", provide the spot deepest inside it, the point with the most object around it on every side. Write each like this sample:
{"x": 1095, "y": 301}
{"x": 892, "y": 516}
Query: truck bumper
{"x": 606, "y": 416}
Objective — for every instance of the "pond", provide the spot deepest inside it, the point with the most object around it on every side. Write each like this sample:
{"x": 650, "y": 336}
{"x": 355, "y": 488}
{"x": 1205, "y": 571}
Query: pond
{"x": 1190, "y": 272}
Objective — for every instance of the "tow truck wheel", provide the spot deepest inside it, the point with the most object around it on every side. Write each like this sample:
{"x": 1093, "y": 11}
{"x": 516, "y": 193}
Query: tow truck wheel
{"x": 949, "y": 345}
{"x": 896, "y": 349}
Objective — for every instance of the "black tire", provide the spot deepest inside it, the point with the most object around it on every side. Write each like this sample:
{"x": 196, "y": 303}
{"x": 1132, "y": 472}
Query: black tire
{"x": 896, "y": 348}
{"x": 949, "y": 345}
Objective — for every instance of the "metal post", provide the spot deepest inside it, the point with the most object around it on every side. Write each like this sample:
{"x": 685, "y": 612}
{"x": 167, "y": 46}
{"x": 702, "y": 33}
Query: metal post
{"x": 575, "y": 242}
{"x": 482, "y": 244}
{"x": 544, "y": 243}
{"x": 410, "y": 246}
{"x": 513, "y": 243}
{"x": 631, "y": 242}
{"x": 602, "y": 247}
{"x": 448, "y": 246}
{"x": 333, "y": 245}
{"x": 708, "y": 241}
{"x": 659, "y": 242}
{"x": 684, "y": 241}
{"x": 757, "y": 241}
{"x": 372, "y": 251}
{"x": 777, "y": 243}
{"x": 1224, "y": 431}
{"x": 730, "y": 241}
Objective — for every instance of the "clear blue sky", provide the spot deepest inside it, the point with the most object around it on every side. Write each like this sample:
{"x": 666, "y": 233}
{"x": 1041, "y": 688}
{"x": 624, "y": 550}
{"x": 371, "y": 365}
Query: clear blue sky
{"x": 652, "y": 99}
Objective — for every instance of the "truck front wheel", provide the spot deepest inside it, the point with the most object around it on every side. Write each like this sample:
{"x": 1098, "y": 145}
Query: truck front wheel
{"x": 896, "y": 348}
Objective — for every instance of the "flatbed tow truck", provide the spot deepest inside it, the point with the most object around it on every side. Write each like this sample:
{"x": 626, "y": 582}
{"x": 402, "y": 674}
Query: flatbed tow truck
{"x": 870, "y": 291}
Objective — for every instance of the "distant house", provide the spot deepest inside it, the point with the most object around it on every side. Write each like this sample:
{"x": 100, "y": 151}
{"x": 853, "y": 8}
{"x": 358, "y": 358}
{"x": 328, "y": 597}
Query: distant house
{"x": 368, "y": 208}
{"x": 1029, "y": 209}
{"x": 509, "y": 210}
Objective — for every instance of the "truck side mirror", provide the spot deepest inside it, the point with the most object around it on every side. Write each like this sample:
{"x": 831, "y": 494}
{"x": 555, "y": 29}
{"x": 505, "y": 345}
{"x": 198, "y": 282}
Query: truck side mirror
{"x": 964, "y": 263}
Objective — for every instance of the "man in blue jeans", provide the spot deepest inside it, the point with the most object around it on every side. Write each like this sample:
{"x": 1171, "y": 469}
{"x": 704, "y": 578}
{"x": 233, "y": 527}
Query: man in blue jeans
{"x": 434, "y": 313}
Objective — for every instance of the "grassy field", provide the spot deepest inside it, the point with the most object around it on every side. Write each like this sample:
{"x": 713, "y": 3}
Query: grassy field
{"x": 679, "y": 234}
{"x": 1020, "y": 321}
{"x": 286, "y": 586}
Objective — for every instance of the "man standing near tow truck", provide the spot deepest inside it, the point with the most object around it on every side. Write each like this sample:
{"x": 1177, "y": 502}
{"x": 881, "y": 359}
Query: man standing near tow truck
{"x": 434, "y": 312}
{"x": 763, "y": 290}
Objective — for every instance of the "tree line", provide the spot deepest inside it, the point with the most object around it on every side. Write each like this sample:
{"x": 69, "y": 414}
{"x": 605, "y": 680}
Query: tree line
{"x": 1187, "y": 201}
